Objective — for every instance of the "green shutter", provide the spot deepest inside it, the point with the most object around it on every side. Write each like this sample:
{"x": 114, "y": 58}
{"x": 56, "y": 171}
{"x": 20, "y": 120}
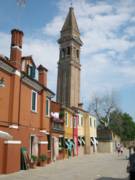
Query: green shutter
{"x": 47, "y": 107}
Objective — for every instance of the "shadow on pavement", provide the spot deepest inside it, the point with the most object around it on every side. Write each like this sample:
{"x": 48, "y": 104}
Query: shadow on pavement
{"x": 109, "y": 178}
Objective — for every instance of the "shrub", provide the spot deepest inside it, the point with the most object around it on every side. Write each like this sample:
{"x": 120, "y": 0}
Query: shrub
{"x": 42, "y": 158}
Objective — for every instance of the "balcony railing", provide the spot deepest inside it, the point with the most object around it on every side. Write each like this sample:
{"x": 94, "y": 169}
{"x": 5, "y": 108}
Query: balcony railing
{"x": 58, "y": 128}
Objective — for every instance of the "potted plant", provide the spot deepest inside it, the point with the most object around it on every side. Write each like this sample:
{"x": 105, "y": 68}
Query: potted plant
{"x": 34, "y": 160}
{"x": 61, "y": 114}
{"x": 42, "y": 159}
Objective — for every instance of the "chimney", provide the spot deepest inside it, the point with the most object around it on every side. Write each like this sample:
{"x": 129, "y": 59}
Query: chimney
{"x": 42, "y": 71}
{"x": 16, "y": 48}
{"x": 80, "y": 105}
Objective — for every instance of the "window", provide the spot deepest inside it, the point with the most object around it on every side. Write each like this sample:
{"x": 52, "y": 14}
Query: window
{"x": 68, "y": 50}
{"x": 71, "y": 122}
{"x": 77, "y": 53}
{"x": 34, "y": 101}
{"x": 90, "y": 122}
{"x": 66, "y": 120}
{"x": 81, "y": 121}
{"x": 31, "y": 71}
{"x": 47, "y": 107}
{"x": 49, "y": 142}
{"x": 94, "y": 123}
{"x": 63, "y": 53}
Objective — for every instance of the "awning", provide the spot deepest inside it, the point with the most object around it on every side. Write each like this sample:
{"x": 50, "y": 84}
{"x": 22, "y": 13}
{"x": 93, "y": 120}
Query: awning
{"x": 5, "y": 135}
{"x": 66, "y": 142}
{"x": 79, "y": 141}
{"x": 83, "y": 141}
{"x": 94, "y": 141}
{"x": 91, "y": 140}
{"x": 72, "y": 141}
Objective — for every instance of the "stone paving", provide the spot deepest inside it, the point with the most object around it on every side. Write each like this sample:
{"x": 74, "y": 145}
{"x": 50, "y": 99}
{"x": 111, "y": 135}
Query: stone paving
{"x": 87, "y": 167}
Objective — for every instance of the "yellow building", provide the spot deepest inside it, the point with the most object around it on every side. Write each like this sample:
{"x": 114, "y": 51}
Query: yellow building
{"x": 68, "y": 130}
{"x": 81, "y": 133}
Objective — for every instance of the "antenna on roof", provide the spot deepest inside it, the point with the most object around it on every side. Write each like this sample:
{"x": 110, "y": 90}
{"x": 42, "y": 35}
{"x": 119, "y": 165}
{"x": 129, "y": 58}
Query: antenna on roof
{"x": 21, "y": 3}
{"x": 71, "y": 4}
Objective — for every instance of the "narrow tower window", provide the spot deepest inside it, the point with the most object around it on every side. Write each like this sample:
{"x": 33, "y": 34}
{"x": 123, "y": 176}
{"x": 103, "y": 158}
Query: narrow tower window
{"x": 68, "y": 50}
{"x": 77, "y": 53}
{"x": 63, "y": 53}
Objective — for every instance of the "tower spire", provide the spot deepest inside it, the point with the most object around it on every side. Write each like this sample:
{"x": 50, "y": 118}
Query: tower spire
{"x": 71, "y": 23}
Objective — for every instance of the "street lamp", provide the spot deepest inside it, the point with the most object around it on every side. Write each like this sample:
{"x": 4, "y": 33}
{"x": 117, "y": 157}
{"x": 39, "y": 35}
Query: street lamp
{"x": 2, "y": 83}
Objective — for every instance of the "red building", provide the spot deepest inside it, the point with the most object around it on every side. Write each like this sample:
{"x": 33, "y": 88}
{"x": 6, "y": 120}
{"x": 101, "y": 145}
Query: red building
{"x": 57, "y": 131}
{"x": 75, "y": 133}
{"x": 24, "y": 107}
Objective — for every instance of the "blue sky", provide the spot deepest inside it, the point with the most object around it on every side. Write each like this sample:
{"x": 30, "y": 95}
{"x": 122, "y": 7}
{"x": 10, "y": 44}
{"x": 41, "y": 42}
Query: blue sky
{"x": 107, "y": 29}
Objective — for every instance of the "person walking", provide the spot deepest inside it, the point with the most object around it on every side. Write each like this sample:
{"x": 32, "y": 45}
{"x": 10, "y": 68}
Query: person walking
{"x": 121, "y": 148}
{"x": 131, "y": 165}
{"x": 118, "y": 149}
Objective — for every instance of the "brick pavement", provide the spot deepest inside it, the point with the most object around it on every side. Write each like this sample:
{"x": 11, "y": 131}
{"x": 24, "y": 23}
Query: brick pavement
{"x": 87, "y": 167}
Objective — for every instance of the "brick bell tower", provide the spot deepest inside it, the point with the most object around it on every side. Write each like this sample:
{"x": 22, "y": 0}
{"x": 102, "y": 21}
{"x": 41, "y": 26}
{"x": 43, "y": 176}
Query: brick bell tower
{"x": 68, "y": 79}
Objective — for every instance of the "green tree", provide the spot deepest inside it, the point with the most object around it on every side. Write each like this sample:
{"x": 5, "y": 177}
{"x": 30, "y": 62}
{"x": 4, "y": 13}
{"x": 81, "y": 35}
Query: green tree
{"x": 123, "y": 125}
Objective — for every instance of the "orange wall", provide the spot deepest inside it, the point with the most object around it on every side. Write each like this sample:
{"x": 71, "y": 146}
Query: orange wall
{"x": 4, "y": 97}
{"x": 9, "y": 104}
{"x": 27, "y": 117}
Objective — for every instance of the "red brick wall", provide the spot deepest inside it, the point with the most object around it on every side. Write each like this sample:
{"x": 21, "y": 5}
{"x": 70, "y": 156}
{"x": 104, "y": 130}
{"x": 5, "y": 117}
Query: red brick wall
{"x": 4, "y": 98}
{"x": 1, "y": 155}
{"x": 12, "y": 154}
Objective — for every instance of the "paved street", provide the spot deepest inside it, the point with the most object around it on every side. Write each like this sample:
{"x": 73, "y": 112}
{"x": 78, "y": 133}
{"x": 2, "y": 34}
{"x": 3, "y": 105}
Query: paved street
{"x": 87, "y": 167}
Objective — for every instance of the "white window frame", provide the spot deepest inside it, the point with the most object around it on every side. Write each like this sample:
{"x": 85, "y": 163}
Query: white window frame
{"x": 34, "y": 110}
{"x": 94, "y": 123}
{"x": 90, "y": 121}
{"x": 48, "y": 115}
{"x": 66, "y": 120}
{"x": 82, "y": 121}
{"x": 71, "y": 122}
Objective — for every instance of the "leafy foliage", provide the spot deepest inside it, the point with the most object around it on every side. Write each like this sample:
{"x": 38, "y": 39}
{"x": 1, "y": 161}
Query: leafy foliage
{"x": 123, "y": 125}
{"x": 42, "y": 158}
{"x": 34, "y": 158}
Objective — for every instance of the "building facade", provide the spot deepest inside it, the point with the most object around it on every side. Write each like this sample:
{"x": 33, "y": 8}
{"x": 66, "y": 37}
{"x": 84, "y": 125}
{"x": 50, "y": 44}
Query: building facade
{"x": 24, "y": 107}
{"x": 93, "y": 133}
{"x": 68, "y": 131}
{"x": 57, "y": 131}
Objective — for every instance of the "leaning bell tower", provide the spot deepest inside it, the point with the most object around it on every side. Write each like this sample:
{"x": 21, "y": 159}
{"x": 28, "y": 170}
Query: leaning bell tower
{"x": 69, "y": 67}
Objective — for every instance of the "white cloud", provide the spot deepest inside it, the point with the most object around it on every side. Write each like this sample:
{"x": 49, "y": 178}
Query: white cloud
{"x": 130, "y": 31}
{"x": 4, "y": 44}
{"x": 44, "y": 52}
{"x": 53, "y": 28}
